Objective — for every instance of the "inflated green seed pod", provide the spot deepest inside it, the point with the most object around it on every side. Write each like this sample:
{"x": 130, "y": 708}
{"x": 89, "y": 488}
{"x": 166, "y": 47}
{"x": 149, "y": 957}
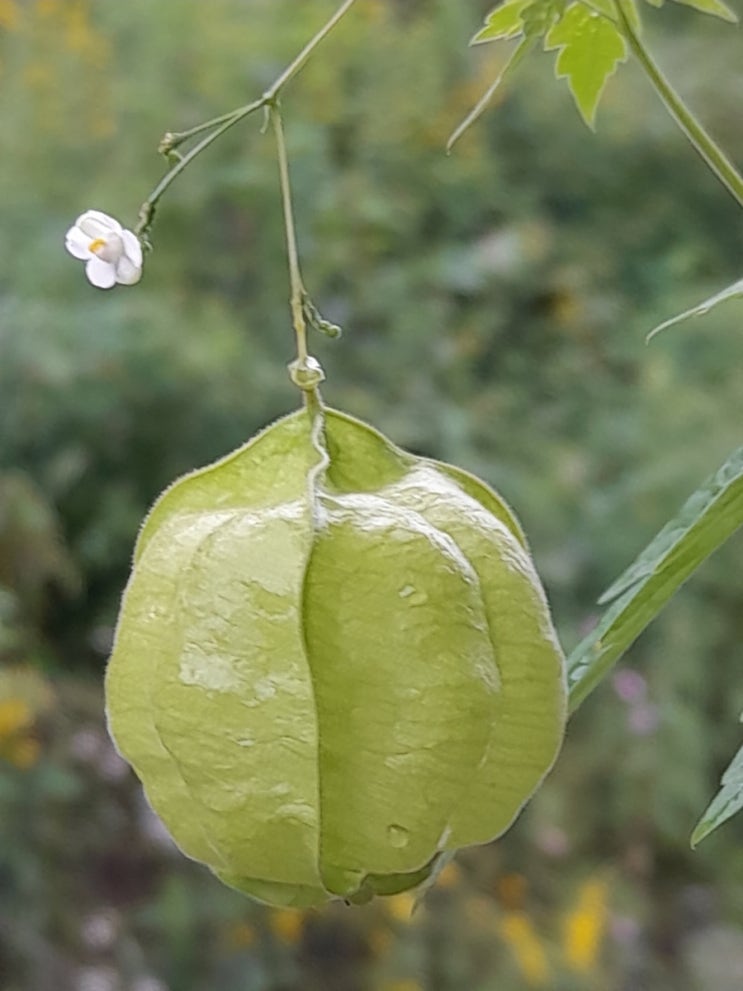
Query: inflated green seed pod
{"x": 334, "y": 664}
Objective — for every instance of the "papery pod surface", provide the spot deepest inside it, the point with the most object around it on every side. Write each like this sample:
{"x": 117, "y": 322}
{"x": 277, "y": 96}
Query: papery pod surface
{"x": 334, "y": 664}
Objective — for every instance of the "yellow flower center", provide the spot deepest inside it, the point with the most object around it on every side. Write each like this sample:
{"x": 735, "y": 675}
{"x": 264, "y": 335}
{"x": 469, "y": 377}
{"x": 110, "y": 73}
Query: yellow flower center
{"x": 15, "y": 716}
{"x": 96, "y": 245}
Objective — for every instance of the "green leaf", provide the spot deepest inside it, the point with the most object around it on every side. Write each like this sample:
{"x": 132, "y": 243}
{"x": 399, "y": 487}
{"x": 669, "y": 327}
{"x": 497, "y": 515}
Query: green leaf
{"x": 539, "y": 16}
{"x": 714, "y": 7}
{"x": 707, "y": 519}
{"x": 732, "y": 292}
{"x": 726, "y": 802}
{"x": 503, "y": 22}
{"x": 529, "y": 18}
{"x": 591, "y": 48}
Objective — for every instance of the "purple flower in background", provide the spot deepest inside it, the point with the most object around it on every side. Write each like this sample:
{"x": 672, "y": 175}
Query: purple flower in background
{"x": 629, "y": 685}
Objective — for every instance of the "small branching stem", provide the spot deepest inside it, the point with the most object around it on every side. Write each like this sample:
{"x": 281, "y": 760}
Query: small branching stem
{"x": 147, "y": 210}
{"x": 217, "y": 126}
{"x": 294, "y": 67}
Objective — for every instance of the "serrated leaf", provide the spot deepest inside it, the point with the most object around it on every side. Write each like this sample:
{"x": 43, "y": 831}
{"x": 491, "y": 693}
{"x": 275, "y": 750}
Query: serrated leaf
{"x": 714, "y": 7}
{"x": 591, "y": 48}
{"x": 539, "y": 16}
{"x": 732, "y": 292}
{"x": 707, "y": 519}
{"x": 503, "y": 22}
{"x": 726, "y": 802}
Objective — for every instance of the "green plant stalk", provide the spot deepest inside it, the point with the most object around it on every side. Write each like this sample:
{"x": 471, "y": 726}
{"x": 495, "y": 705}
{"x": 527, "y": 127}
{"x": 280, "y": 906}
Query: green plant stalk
{"x": 295, "y": 276}
{"x": 294, "y": 67}
{"x": 147, "y": 210}
{"x": 224, "y": 122}
{"x": 172, "y": 140}
{"x": 712, "y": 154}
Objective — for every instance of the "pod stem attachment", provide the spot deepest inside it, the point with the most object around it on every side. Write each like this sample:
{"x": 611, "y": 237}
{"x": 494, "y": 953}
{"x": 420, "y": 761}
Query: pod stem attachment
{"x": 305, "y": 371}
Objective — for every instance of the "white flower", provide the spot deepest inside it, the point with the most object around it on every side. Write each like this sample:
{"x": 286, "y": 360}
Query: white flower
{"x": 112, "y": 253}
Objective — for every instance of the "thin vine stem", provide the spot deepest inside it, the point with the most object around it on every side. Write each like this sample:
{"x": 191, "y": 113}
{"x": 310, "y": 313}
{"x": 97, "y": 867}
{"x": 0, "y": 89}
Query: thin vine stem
{"x": 147, "y": 210}
{"x": 295, "y": 275}
{"x": 294, "y": 67}
{"x": 172, "y": 140}
{"x": 705, "y": 145}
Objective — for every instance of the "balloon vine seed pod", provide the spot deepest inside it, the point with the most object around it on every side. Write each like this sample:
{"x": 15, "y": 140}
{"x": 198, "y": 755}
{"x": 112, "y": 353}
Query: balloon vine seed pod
{"x": 334, "y": 664}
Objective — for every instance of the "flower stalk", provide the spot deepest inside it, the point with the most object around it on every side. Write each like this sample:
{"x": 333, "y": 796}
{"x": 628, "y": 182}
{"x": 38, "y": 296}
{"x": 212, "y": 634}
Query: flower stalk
{"x": 147, "y": 210}
{"x": 305, "y": 371}
{"x": 217, "y": 126}
{"x": 295, "y": 276}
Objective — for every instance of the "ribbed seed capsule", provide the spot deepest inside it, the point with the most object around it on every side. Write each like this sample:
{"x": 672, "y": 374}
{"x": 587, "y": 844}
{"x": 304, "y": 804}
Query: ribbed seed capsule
{"x": 334, "y": 664}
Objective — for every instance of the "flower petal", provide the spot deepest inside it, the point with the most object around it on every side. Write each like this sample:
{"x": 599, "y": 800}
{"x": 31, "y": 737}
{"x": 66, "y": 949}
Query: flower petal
{"x": 96, "y": 224}
{"x": 133, "y": 248}
{"x": 77, "y": 243}
{"x": 110, "y": 250}
{"x": 101, "y": 274}
{"x": 127, "y": 273}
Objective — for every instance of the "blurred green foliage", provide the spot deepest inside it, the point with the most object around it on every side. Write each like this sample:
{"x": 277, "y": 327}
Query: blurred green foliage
{"x": 494, "y": 305}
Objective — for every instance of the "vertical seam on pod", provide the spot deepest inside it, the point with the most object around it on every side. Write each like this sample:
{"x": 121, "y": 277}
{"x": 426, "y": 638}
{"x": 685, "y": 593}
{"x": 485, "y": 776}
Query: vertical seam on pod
{"x": 536, "y": 587}
{"x": 317, "y": 440}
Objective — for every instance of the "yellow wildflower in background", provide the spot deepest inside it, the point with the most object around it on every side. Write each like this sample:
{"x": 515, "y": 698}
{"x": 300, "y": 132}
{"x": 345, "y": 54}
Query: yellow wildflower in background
{"x": 450, "y": 876}
{"x": 15, "y": 716}
{"x": 518, "y": 933}
{"x": 10, "y": 15}
{"x": 24, "y": 696}
{"x": 287, "y": 924}
{"x": 62, "y": 66}
{"x": 17, "y": 745}
{"x": 585, "y": 927}
{"x": 401, "y": 906}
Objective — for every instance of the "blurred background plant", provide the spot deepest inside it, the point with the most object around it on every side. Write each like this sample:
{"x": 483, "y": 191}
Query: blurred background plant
{"x": 495, "y": 304}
